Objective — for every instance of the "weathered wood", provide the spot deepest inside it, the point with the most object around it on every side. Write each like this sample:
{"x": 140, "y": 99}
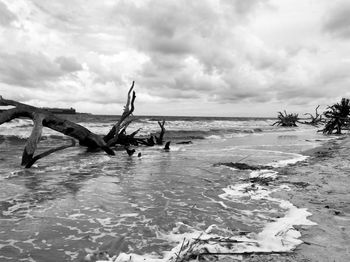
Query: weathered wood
{"x": 33, "y": 140}
{"x": 167, "y": 146}
{"x": 133, "y": 134}
{"x": 48, "y": 152}
{"x": 93, "y": 142}
{"x": 112, "y": 137}
{"x": 130, "y": 151}
{"x": 85, "y": 136}
{"x": 159, "y": 139}
{"x": 286, "y": 120}
{"x": 337, "y": 117}
{"x": 314, "y": 120}
{"x": 184, "y": 142}
{"x": 43, "y": 118}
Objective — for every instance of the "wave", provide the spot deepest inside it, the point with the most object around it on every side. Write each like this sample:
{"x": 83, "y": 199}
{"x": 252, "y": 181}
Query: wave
{"x": 22, "y": 138}
{"x": 177, "y": 135}
{"x": 13, "y": 139}
{"x": 210, "y": 134}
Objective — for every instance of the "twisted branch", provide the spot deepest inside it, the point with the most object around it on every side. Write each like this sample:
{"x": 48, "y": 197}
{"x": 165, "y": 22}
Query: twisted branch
{"x": 112, "y": 136}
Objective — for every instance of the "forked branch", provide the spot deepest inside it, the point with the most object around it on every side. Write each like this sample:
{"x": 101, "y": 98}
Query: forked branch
{"x": 48, "y": 152}
{"x": 112, "y": 136}
{"x": 314, "y": 120}
{"x": 159, "y": 139}
{"x": 43, "y": 118}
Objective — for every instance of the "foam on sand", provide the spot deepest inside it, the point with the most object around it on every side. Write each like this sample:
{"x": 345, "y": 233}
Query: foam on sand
{"x": 278, "y": 235}
{"x": 295, "y": 159}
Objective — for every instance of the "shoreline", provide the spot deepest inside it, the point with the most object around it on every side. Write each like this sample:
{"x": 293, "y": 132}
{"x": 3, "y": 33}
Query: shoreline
{"x": 320, "y": 184}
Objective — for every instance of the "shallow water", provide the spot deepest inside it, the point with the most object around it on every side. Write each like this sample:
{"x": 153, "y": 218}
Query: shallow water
{"x": 72, "y": 202}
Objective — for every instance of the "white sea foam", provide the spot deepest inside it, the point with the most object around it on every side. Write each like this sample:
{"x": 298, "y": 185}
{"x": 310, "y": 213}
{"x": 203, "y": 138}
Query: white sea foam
{"x": 176, "y": 148}
{"x": 282, "y": 163}
{"x": 277, "y": 236}
{"x": 213, "y": 137}
{"x": 236, "y": 135}
{"x": 263, "y": 173}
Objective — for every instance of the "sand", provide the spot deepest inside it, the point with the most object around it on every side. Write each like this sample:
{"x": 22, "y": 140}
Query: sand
{"x": 322, "y": 185}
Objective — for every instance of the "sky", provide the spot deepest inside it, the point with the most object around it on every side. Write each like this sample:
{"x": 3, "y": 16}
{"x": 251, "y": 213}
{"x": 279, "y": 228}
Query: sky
{"x": 194, "y": 58}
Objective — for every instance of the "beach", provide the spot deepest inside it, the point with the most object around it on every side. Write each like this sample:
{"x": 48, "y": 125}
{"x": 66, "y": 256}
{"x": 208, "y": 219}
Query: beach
{"x": 174, "y": 131}
{"x": 321, "y": 184}
{"x": 174, "y": 205}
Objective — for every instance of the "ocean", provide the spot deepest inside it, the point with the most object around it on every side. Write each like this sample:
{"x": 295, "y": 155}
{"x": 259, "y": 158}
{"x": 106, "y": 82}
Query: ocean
{"x": 72, "y": 202}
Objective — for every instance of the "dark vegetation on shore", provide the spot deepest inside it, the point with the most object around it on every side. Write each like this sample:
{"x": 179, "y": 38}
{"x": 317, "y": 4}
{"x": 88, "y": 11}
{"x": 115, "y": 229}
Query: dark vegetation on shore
{"x": 335, "y": 119}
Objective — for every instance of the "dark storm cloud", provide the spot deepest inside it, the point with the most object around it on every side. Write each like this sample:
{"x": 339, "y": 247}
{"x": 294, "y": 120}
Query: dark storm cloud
{"x": 6, "y": 16}
{"x": 166, "y": 26}
{"x": 182, "y": 27}
{"x": 234, "y": 93}
{"x": 31, "y": 69}
{"x": 287, "y": 92}
{"x": 221, "y": 51}
{"x": 192, "y": 45}
{"x": 338, "y": 21}
{"x": 246, "y": 6}
{"x": 68, "y": 64}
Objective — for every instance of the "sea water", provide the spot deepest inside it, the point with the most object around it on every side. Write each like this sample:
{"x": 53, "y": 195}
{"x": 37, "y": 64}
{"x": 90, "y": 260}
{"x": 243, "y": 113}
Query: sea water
{"x": 72, "y": 202}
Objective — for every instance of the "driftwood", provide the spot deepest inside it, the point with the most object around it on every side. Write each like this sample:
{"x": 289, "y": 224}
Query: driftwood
{"x": 196, "y": 250}
{"x": 286, "y": 120}
{"x": 43, "y": 118}
{"x": 93, "y": 142}
{"x": 243, "y": 166}
{"x": 337, "y": 117}
{"x": 314, "y": 120}
{"x": 109, "y": 251}
{"x": 31, "y": 161}
{"x": 112, "y": 137}
{"x": 159, "y": 139}
{"x": 167, "y": 146}
{"x": 184, "y": 143}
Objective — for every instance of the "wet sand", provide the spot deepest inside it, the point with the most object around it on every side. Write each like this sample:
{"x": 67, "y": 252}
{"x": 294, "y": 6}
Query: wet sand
{"x": 322, "y": 185}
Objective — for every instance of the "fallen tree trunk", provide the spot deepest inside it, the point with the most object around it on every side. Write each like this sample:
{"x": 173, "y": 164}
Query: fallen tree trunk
{"x": 43, "y": 118}
{"x": 93, "y": 142}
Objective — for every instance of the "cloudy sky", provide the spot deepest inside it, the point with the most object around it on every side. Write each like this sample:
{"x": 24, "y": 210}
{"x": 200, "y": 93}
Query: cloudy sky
{"x": 199, "y": 57}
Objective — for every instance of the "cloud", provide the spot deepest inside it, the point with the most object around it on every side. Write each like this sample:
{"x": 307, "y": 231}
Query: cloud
{"x": 198, "y": 50}
{"x": 207, "y": 54}
{"x": 245, "y": 7}
{"x": 27, "y": 69}
{"x": 6, "y": 16}
{"x": 68, "y": 64}
{"x": 338, "y": 20}
{"x": 34, "y": 69}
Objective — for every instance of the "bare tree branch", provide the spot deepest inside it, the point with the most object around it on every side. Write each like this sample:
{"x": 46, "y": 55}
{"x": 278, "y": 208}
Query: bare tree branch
{"x": 33, "y": 140}
{"x": 43, "y": 118}
{"x": 159, "y": 140}
{"x": 112, "y": 136}
{"x": 48, "y": 152}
